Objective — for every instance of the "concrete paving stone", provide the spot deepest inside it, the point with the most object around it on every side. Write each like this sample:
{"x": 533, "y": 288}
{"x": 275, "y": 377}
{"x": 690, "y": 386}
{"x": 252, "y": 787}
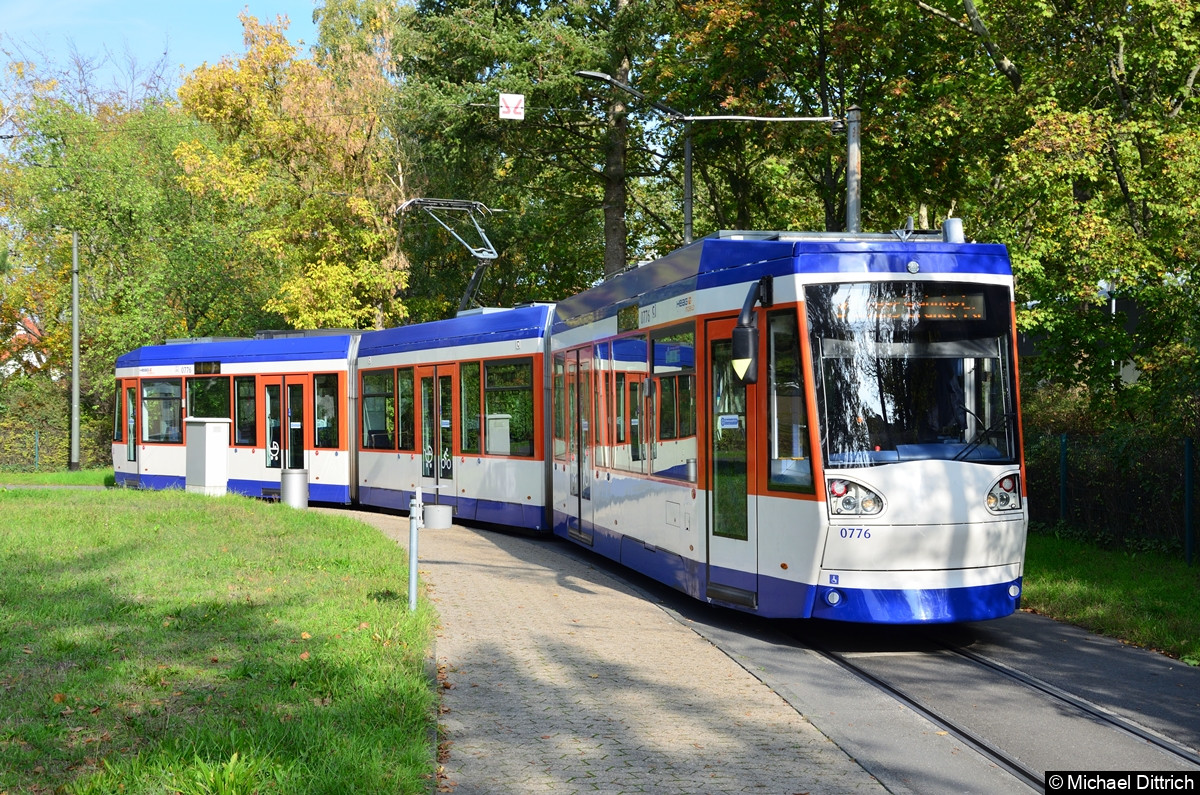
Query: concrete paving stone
{"x": 564, "y": 679}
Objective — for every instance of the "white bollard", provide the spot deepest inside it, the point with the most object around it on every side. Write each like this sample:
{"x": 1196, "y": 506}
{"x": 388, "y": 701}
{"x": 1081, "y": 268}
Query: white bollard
{"x": 414, "y": 523}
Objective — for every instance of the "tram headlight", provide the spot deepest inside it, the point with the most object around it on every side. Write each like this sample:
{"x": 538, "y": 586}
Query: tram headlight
{"x": 847, "y": 498}
{"x": 1005, "y": 495}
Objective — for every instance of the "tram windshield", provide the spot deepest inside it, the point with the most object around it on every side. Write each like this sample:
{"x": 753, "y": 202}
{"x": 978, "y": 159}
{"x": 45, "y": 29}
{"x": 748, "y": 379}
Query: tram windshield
{"x": 913, "y": 370}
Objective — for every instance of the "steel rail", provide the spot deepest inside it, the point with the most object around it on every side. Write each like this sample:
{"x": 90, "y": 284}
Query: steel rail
{"x": 1033, "y": 778}
{"x": 1163, "y": 743}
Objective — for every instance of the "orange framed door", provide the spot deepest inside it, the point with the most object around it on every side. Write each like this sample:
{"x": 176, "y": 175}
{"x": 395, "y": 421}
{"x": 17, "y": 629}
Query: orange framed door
{"x": 733, "y": 442}
{"x": 285, "y": 420}
{"x": 436, "y": 388}
{"x": 131, "y": 430}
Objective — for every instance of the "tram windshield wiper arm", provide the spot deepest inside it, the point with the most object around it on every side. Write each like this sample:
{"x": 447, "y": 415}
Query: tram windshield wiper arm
{"x": 977, "y": 440}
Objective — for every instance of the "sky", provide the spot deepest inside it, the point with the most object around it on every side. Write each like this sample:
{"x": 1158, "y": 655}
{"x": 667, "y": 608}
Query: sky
{"x": 190, "y": 31}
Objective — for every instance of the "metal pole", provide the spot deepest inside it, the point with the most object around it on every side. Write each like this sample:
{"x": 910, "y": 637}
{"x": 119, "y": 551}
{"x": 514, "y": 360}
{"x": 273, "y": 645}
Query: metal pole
{"x": 414, "y": 522}
{"x": 853, "y": 169}
{"x": 1062, "y": 478}
{"x": 1189, "y": 490}
{"x": 74, "y": 462}
{"x": 687, "y": 182}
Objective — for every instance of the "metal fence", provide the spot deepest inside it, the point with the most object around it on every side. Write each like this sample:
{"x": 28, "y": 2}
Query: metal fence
{"x": 1123, "y": 488}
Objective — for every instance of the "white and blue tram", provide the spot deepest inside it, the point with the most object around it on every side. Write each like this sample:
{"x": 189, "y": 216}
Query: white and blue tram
{"x": 285, "y": 396}
{"x": 800, "y": 425}
{"x": 792, "y": 424}
{"x": 451, "y": 407}
{"x": 454, "y": 407}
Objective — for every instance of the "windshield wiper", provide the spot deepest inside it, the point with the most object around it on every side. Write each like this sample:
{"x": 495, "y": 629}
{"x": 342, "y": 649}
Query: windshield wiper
{"x": 973, "y": 445}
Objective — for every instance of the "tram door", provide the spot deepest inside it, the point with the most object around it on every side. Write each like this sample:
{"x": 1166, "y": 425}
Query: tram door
{"x": 437, "y": 387}
{"x": 285, "y": 399}
{"x": 131, "y": 423}
{"x": 580, "y": 521}
{"x": 732, "y": 533}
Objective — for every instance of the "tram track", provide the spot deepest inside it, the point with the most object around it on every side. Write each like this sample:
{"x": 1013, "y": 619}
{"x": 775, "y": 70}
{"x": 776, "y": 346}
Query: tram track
{"x": 1166, "y": 744}
{"x": 990, "y": 751}
{"x": 983, "y": 741}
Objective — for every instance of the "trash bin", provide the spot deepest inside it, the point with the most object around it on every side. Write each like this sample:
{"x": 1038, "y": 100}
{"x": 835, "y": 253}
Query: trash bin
{"x": 438, "y": 517}
{"x": 293, "y": 487}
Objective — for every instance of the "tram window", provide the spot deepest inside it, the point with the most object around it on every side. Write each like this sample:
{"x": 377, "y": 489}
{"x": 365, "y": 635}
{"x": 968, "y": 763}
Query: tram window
{"x": 508, "y": 394}
{"x": 407, "y": 417}
{"x": 668, "y": 412}
{"x": 636, "y": 451}
{"x": 428, "y": 425}
{"x": 560, "y": 406}
{"x": 630, "y": 366}
{"x": 687, "y": 405}
{"x": 162, "y": 410}
{"x": 619, "y": 410}
{"x": 445, "y": 392}
{"x": 909, "y": 363}
{"x": 601, "y": 408}
{"x": 118, "y": 420}
{"x": 325, "y": 409}
{"x": 673, "y": 449}
{"x": 791, "y": 461}
{"x": 245, "y": 421}
{"x": 379, "y": 410}
{"x": 130, "y": 420}
{"x": 208, "y": 397}
{"x": 468, "y": 387}
{"x": 407, "y": 406}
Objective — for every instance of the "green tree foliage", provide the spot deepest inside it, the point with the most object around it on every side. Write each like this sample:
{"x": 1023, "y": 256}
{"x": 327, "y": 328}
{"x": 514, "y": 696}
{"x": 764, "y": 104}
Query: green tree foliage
{"x": 1067, "y": 131}
{"x": 453, "y": 61}
{"x": 302, "y": 142}
{"x": 35, "y": 431}
{"x": 154, "y": 262}
{"x": 1096, "y": 196}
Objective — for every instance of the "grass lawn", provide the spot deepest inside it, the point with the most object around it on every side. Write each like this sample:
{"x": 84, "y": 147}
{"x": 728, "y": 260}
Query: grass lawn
{"x": 168, "y": 642}
{"x": 1146, "y": 598}
{"x": 82, "y": 477}
{"x": 156, "y": 642}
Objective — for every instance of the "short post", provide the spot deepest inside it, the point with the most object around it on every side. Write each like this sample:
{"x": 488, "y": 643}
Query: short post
{"x": 1062, "y": 478}
{"x": 415, "y": 510}
{"x": 1189, "y": 491}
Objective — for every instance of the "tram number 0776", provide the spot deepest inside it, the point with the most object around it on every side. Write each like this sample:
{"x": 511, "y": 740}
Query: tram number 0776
{"x": 855, "y": 532}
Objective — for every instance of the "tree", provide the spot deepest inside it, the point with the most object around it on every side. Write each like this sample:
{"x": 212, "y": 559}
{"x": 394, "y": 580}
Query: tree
{"x": 303, "y": 141}
{"x": 556, "y": 171}
{"x": 154, "y": 262}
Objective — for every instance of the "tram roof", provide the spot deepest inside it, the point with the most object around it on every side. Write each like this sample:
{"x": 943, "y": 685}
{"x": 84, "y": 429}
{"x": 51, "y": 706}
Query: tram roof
{"x": 736, "y": 257}
{"x": 488, "y": 325}
{"x": 293, "y": 348}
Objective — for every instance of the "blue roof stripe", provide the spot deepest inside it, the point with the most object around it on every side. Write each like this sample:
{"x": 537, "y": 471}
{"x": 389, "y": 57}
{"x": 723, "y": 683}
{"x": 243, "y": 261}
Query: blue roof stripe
{"x": 287, "y": 349}
{"x": 521, "y": 323}
{"x": 717, "y": 262}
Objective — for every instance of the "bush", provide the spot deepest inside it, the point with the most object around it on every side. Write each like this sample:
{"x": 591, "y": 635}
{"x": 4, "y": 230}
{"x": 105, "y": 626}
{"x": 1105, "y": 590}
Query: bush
{"x": 35, "y": 426}
{"x": 1124, "y": 477}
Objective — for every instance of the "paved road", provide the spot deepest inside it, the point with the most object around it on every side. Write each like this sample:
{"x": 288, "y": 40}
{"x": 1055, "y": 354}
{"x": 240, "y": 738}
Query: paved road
{"x": 561, "y": 679}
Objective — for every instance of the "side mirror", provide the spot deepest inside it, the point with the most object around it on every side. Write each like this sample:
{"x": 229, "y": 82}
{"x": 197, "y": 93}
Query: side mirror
{"x": 745, "y": 353}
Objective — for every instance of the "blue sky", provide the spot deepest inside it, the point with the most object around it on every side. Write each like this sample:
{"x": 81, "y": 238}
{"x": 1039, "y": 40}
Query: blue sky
{"x": 191, "y": 32}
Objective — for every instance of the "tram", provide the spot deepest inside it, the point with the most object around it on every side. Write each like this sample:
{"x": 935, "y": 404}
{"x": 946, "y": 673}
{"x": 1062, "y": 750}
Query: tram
{"x": 821, "y": 425}
{"x": 798, "y": 425}
{"x": 286, "y": 397}
{"x": 454, "y": 407}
